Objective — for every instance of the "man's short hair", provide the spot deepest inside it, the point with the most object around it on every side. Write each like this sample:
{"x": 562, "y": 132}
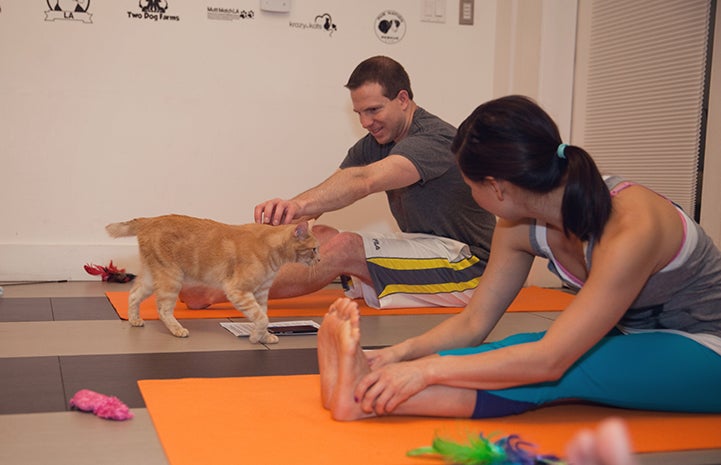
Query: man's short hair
{"x": 382, "y": 70}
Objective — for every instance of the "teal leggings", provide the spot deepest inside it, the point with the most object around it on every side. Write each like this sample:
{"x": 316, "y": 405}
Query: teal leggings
{"x": 649, "y": 371}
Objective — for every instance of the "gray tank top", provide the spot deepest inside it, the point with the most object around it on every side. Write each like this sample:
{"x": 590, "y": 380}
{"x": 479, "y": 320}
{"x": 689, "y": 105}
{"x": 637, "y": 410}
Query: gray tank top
{"x": 684, "y": 296}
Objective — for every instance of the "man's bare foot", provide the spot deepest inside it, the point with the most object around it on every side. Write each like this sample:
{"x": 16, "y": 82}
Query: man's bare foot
{"x": 352, "y": 364}
{"x": 199, "y": 297}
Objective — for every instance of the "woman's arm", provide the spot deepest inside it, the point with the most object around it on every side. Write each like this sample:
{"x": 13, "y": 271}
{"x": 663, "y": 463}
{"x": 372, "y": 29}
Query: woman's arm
{"x": 621, "y": 266}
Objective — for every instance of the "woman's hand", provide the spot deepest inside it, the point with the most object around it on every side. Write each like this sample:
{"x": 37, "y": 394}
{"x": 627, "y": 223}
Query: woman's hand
{"x": 384, "y": 389}
{"x": 382, "y": 357}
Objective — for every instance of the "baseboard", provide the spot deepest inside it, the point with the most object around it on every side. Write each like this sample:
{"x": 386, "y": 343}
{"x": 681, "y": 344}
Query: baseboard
{"x": 46, "y": 262}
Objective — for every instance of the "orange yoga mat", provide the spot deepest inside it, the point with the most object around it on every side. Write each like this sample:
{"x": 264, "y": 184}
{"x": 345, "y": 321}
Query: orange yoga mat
{"x": 279, "y": 420}
{"x": 530, "y": 299}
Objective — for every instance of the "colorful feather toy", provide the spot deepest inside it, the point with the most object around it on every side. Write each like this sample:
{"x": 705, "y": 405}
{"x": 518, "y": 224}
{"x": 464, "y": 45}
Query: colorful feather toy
{"x": 509, "y": 450}
{"x": 110, "y": 273}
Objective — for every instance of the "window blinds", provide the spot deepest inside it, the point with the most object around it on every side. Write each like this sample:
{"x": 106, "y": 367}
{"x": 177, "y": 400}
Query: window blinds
{"x": 645, "y": 90}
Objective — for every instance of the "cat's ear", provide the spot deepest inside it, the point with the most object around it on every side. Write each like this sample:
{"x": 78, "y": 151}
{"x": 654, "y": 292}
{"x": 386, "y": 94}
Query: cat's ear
{"x": 301, "y": 230}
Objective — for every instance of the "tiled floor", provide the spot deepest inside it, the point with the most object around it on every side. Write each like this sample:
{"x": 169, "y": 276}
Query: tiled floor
{"x": 58, "y": 338}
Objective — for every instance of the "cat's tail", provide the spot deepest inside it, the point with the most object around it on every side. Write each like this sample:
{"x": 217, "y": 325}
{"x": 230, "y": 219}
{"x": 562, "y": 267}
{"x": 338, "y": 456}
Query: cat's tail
{"x": 124, "y": 229}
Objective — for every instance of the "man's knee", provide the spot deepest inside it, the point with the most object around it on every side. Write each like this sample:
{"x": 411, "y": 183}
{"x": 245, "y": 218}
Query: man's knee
{"x": 324, "y": 233}
{"x": 348, "y": 245}
{"x": 345, "y": 254}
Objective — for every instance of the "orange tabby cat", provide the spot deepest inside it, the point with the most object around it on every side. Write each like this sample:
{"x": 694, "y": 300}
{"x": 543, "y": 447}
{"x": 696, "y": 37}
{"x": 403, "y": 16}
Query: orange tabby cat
{"x": 241, "y": 260}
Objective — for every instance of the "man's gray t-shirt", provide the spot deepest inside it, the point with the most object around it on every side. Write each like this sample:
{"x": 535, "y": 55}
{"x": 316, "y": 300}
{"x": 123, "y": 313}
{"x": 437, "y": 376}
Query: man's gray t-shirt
{"x": 440, "y": 203}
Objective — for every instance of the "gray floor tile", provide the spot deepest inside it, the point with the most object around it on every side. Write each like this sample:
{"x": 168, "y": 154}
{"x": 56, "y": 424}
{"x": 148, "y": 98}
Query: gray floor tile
{"x": 25, "y": 309}
{"x": 31, "y": 384}
{"x": 82, "y": 308}
{"x": 76, "y": 438}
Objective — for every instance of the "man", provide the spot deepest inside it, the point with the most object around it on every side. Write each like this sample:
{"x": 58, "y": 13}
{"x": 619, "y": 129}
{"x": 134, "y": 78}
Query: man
{"x": 446, "y": 237}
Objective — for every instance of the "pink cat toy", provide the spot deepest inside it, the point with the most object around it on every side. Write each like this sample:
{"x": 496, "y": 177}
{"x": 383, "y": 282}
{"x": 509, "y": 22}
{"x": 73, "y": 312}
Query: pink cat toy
{"x": 108, "y": 407}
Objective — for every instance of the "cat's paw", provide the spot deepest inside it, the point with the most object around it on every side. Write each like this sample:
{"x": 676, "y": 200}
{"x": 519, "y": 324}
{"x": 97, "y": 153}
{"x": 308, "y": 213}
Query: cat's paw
{"x": 264, "y": 338}
{"x": 180, "y": 332}
{"x": 136, "y": 322}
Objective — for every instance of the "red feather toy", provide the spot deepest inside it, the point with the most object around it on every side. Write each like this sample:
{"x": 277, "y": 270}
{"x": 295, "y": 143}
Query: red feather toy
{"x": 110, "y": 273}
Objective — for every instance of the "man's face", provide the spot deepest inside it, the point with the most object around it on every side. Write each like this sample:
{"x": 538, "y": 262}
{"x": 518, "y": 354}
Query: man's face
{"x": 383, "y": 118}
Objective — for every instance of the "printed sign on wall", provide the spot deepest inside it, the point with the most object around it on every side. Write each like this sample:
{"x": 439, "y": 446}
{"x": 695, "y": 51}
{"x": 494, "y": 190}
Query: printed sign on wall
{"x": 390, "y": 27}
{"x": 229, "y": 14}
{"x": 68, "y": 10}
{"x": 322, "y": 22}
{"x": 154, "y": 10}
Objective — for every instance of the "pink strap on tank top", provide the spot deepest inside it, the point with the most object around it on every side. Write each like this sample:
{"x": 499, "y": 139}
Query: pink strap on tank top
{"x": 620, "y": 186}
{"x": 623, "y": 185}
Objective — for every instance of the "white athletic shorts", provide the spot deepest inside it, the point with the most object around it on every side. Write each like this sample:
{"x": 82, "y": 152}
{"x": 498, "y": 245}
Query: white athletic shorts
{"x": 416, "y": 270}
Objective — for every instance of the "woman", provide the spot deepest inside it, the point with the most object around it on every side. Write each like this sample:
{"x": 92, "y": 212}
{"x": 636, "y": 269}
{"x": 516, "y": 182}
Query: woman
{"x": 643, "y": 331}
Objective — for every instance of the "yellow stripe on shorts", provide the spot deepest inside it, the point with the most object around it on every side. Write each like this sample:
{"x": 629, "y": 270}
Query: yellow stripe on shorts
{"x": 423, "y": 263}
{"x": 438, "y": 288}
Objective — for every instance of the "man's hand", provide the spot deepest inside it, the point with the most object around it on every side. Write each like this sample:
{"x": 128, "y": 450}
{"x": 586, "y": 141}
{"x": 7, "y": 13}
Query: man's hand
{"x": 276, "y": 211}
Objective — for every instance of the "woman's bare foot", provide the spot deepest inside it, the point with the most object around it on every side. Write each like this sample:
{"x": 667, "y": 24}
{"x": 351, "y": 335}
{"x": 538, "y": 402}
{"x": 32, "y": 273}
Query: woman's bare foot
{"x": 351, "y": 362}
{"x": 327, "y": 352}
{"x": 609, "y": 444}
{"x": 199, "y": 297}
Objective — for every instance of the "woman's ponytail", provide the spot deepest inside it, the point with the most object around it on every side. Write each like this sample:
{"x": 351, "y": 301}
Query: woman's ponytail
{"x": 586, "y": 203}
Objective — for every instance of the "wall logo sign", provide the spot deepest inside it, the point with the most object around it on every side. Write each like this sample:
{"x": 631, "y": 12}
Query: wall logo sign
{"x": 390, "y": 27}
{"x": 68, "y": 10}
{"x": 229, "y": 14}
{"x": 322, "y": 22}
{"x": 153, "y": 10}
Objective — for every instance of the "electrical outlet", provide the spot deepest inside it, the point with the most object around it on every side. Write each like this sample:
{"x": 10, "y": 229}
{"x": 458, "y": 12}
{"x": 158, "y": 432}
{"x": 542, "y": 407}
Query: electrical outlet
{"x": 275, "y": 6}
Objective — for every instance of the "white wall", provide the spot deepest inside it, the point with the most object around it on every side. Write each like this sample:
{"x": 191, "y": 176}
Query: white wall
{"x": 126, "y": 117}
{"x": 535, "y": 55}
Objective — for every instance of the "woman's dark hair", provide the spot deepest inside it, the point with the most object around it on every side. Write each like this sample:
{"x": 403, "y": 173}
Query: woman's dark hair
{"x": 513, "y": 139}
{"x": 382, "y": 70}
